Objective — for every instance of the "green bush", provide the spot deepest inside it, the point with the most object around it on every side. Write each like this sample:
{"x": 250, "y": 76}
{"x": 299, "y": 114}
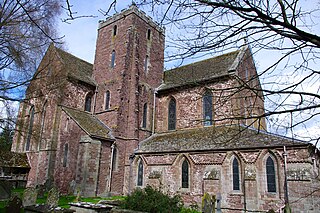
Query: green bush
{"x": 153, "y": 201}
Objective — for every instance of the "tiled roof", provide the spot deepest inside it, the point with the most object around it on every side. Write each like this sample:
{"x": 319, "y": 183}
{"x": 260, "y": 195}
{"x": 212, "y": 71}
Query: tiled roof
{"x": 214, "y": 138}
{"x": 77, "y": 68}
{"x": 12, "y": 159}
{"x": 201, "y": 71}
{"x": 89, "y": 123}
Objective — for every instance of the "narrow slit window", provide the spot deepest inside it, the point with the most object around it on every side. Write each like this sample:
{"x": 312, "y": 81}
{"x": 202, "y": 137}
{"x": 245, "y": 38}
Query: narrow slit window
{"x": 107, "y": 101}
{"x": 149, "y": 34}
{"x": 185, "y": 174}
{"x": 271, "y": 175}
{"x": 140, "y": 173}
{"x": 115, "y": 28}
{"x": 31, "y": 118}
{"x": 172, "y": 114}
{"x": 65, "y": 155}
{"x": 207, "y": 108}
{"x": 113, "y": 59}
{"x": 146, "y": 62}
{"x": 144, "y": 117}
{"x": 236, "y": 174}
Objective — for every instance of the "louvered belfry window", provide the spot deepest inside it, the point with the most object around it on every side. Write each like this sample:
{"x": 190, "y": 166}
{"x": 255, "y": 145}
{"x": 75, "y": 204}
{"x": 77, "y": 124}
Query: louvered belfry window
{"x": 172, "y": 114}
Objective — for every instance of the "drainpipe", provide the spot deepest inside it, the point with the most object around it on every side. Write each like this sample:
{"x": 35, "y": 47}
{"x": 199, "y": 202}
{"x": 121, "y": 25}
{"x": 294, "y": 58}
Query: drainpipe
{"x": 154, "y": 111}
{"x": 286, "y": 196}
{"x": 111, "y": 167}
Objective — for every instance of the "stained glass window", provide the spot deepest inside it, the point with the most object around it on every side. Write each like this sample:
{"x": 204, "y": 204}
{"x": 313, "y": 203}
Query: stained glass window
{"x": 236, "y": 174}
{"x": 271, "y": 175}
{"x": 172, "y": 114}
{"x": 185, "y": 174}
{"x": 207, "y": 108}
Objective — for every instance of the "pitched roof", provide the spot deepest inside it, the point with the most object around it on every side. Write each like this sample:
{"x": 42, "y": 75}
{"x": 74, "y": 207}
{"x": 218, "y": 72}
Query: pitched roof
{"x": 12, "y": 159}
{"x": 201, "y": 71}
{"x": 89, "y": 123}
{"x": 214, "y": 138}
{"x": 77, "y": 68}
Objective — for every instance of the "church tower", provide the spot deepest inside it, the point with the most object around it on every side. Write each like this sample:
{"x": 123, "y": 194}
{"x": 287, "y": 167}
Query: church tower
{"x": 128, "y": 67}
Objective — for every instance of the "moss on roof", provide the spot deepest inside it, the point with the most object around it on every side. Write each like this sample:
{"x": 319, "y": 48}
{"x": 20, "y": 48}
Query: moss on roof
{"x": 77, "y": 68}
{"x": 12, "y": 159}
{"x": 214, "y": 138}
{"x": 195, "y": 73}
{"x": 89, "y": 123}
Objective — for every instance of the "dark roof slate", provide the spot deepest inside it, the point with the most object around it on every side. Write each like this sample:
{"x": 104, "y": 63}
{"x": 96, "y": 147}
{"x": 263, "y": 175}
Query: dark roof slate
{"x": 77, "y": 68}
{"x": 89, "y": 123}
{"x": 214, "y": 138}
{"x": 198, "y": 72}
{"x": 13, "y": 159}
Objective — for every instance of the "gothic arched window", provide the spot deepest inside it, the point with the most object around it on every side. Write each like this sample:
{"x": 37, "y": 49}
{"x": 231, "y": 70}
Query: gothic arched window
{"x": 107, "y": 100}
{"x": 172, "y": 114}
{"x": 236, "y": 174}
{"x": 140, "y": 173}
{"x": 87, "y": 106}
{"x": 144, "y": 116}
{"x": 31, "y": 119}
{"x": 207, "y": 108}
{"x": 185, "y": 174}
{"x": 113, "y": 59}
{"x": 65, "y": 155}
{"x": 42, "y": 127}
{"x": 271, "y": 175}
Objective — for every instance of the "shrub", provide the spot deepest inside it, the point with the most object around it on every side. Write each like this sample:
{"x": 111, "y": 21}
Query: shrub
{"x": 153, "y": 201}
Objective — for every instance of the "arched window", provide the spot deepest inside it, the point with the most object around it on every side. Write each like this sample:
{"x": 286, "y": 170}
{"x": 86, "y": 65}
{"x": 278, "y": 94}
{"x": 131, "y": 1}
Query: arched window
{"x": 271, "y": 175}
{"x": 146, "y": 62}
{"x": 140, "y": 173}
{"x": 115, "y": 28}
{"x": 149, "y": 34}
{"x": 42, "y": 127}
{"x": 172, "y": 114}
{"x": 107, "y": 100}
{"x": 207, "y": 108}
{"x": 185, "y": 174}
{"x": 31, "y": 118}
{"x": 113, "y": 59}
{"x": 236, "y": 174}
{"x": 87, "y": 106}
{"x": 114, "y": 159}
{"x": 65, "y": 155}
{"x": 144, "y": 118}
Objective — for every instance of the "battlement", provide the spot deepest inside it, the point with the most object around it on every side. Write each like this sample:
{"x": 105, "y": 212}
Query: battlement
{"x": 133, "y": 9}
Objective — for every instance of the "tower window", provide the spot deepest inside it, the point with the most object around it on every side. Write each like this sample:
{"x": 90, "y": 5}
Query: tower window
{"x": 236, "y": 174}
{"x": 271, "y": 175}
{"x": 140, "y": 173}
{"x": 65, "y": 155}
{"x": 149, "y": 34}
{"x": 42, "y": 127}
{"x": 207, "y": 108}
{"x": 185, "y": 174}
{"x": 146, "y": 62}
{"x": 88, "y": 101}
{"x": 144, "y": 118}
{"x": 113, "y": 59}
{"x": 115, "y": 28}
{"x": 107, "y": 100}
{"x": 172, "y": 114}
{"x": 31, "y": 118}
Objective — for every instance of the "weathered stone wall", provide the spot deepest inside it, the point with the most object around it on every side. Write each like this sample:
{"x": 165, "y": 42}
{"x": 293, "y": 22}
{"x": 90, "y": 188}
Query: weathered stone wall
{"x": 211, "y": 172}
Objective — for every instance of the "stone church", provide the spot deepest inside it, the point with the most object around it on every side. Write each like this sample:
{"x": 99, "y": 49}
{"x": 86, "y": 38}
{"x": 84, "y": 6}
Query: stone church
{"x": 122, "y": 123}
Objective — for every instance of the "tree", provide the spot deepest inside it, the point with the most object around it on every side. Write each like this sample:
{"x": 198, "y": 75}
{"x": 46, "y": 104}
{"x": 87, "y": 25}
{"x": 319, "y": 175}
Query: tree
{"x": 196, "y": 28}
{"x": 27, "y": 27}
